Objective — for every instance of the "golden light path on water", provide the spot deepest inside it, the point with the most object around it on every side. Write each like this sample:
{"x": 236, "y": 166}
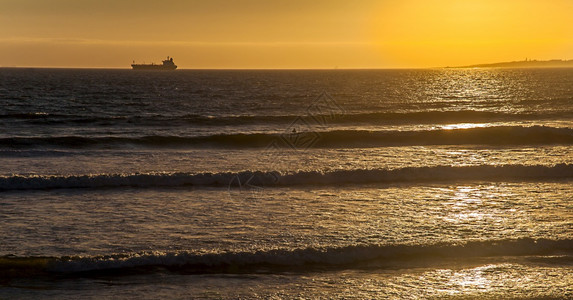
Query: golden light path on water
{"x": 460, "y": 207}
{"x": 453, "y": 200}
{"x": 500, "y": 280}
{"x": 465, "y": 126}
{"x": 465, "y": 280}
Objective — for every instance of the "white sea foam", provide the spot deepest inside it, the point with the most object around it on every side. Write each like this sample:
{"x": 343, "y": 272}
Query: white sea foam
{"x": 345, "y": 256}
{"x": 261, "y": 179}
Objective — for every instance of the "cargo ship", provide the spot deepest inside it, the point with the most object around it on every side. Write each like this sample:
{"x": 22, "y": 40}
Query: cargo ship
{"x": 167, "y": 65}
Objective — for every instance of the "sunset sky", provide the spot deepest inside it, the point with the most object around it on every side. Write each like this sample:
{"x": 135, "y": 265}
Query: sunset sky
{"x": 283, "y": 33}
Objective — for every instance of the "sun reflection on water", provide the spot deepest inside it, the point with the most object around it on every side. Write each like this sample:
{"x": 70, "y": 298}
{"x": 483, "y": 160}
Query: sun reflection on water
{"x": 472, "y": 278}
{"x": 491, "y": 281}
{"x": 467, "y": 280}
{"x": 469, "y": 205}
{"x": 465, "y": 126}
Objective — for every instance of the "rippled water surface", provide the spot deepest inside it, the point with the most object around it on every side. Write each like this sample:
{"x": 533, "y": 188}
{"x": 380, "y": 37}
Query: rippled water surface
{"x": 286, "y": 184}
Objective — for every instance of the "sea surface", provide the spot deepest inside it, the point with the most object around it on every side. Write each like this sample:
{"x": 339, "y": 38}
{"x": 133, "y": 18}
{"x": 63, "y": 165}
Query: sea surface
{"x": 274, "y": 184}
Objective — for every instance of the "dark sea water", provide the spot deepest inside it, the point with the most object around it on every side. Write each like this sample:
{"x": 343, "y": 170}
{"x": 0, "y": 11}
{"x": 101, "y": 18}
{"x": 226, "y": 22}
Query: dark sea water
{"x": 286, "y": 184}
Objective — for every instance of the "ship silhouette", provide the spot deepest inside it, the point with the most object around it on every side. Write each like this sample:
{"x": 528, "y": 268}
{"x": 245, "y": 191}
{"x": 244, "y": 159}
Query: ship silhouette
{"x": 168, "y": 64}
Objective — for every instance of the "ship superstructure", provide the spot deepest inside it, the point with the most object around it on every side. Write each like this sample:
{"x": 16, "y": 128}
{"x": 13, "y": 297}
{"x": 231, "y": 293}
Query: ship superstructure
{"x": 168, "y": 64}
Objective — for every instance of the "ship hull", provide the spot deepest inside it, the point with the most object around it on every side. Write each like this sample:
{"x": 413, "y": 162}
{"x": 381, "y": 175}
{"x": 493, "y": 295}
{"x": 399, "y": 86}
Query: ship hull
{"x": 167, "y": 65}
{"x": 153, "y": 67}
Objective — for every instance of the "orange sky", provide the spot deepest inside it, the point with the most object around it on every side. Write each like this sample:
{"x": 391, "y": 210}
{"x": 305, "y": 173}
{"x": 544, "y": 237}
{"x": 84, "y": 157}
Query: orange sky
{"x": 283, "y": 33}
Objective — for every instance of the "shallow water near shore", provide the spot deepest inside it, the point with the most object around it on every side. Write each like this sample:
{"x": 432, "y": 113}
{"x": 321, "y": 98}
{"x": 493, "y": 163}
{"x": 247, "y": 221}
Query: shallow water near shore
{"x": 451, "y": 183}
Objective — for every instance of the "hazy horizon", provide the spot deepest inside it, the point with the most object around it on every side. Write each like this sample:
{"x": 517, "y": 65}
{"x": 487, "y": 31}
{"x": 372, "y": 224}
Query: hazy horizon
{"x": 318, "y": 69}
{"x": 254, "y": 34}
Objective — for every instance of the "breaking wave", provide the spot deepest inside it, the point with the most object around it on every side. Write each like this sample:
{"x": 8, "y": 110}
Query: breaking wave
{"x": 254, "y": 179}
{"x": 498, "y": 135}
{"x": 374, "y": 118}
{"x": 280, "y": 259}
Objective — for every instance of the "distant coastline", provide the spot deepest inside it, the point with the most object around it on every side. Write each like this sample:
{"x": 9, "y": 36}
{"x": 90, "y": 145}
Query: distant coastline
{"x": 527, "y": 63}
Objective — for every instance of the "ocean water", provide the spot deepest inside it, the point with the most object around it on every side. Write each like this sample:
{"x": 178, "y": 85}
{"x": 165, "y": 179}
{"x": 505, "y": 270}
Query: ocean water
{"x": 404, "y": 184}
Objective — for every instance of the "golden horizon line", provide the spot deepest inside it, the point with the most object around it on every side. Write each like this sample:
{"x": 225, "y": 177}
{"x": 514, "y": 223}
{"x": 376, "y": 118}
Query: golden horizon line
{"x": 218, "y": 68}
{"x": 295, "y": 68}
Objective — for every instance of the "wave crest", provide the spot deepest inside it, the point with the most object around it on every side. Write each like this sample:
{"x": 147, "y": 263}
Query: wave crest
{"x": 275, "y": 178}
{"x": 282, "y": 259}
{"x": 373, "y": 118}
{"x": 497, "y": 135}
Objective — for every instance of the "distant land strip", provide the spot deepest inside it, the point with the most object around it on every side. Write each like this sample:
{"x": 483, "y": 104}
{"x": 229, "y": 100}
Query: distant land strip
{"x": 554, "y": 63}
